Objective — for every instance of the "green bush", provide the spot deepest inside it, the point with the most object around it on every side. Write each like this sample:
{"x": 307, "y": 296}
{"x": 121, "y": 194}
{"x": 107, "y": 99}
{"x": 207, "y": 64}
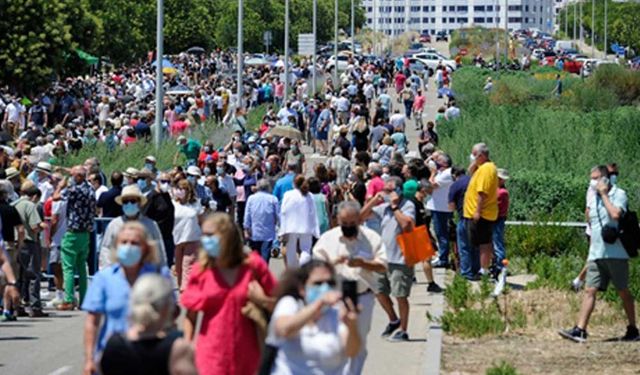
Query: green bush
{"x": 470, "y": 323}
{"x": 458, "y": 294}
{"x": 545, "y": 240}
{"x": 623, "y": 83}
{"x": 502, "y": 368}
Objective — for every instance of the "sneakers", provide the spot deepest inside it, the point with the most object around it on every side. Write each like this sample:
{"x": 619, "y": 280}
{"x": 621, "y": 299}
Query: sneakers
{"x": 392, "y": 326}
{"x": 55, "y": 302}
{"x": 434, "y": 288}
{"x": 6, "y": 317}
{"x": 576, "y": 334}
{"x": 440, "y": 264}
{"x": 400, "y": 336}
{"x": 37, "y": 313}
{"x": 66, "y": 306}
{"x": 577, "y": 284}
{"x": 631, "y": 335}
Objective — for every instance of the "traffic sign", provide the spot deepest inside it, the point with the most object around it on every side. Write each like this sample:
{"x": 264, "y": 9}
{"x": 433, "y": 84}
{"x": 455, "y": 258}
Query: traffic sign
{"x": 306, "y": 44}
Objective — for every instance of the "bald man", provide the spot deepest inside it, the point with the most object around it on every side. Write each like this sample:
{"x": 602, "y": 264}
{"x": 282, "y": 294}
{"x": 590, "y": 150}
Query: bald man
{"x": 74, "y": 248}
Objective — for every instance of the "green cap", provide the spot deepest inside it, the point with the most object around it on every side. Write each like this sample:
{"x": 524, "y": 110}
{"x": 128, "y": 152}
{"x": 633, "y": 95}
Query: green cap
{"x": 409, "y": 189}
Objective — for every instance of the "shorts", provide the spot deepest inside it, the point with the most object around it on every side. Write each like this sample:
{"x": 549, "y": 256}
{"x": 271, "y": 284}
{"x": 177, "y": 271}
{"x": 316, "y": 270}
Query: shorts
{"x": 602, "y": 271}
{"x": 322, "y": 135}
{"x": 480, "y": 232}
{"x": 54, "y": 255}
{"x": 397, "y": 281}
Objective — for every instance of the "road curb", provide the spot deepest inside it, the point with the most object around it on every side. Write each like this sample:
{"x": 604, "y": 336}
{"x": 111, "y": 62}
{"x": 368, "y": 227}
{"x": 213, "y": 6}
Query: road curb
{"x": 433, "y": 348}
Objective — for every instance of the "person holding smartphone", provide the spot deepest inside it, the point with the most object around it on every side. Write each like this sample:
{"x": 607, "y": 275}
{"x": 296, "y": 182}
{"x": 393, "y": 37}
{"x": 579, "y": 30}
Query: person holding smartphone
{"x": 357, "y": 254}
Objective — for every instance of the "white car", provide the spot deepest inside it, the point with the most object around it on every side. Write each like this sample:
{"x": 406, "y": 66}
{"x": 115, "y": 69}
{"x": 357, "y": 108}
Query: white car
{"x": 432, "y": 60}
{"x": 590, "y": 65}
{"x": 343, "y": 62}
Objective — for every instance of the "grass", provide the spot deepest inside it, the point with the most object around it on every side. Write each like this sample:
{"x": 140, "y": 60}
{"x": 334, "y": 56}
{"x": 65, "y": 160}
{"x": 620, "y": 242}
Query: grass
{"x": 502, "y": 368}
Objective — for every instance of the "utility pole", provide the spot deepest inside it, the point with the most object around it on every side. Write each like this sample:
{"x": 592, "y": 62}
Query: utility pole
{"x": 497, "y": 15}
{"x": 286, "y": 51}
{"x": 335, "y": 44}
{"x": 605, "y": 30}
{"x": 575, "y": 19}
{"x": 240, "y": 64}
{"x": 159, "y": 52}
{"x": 581, "y": 26}
{"x": 566, "y": 19}
{"x": 353, "y": 29}
{"x": 315, "y": 46}
{"x": 506, "y": 31}
{"x": 593, "y": 28}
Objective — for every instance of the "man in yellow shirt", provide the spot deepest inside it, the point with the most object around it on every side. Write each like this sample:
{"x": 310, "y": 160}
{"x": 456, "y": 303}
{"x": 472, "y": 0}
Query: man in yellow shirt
{"x": 481, "y": 203}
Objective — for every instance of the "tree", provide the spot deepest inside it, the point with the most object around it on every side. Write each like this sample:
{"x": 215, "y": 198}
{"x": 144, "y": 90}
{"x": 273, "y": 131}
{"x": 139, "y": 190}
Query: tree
{"x": 35, "y": 37}
{"x": 188, "y": 23}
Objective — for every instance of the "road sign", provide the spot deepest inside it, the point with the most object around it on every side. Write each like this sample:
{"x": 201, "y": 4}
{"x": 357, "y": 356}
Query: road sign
{"x": 267, "y": 37}
{"x": 306, "y": 44}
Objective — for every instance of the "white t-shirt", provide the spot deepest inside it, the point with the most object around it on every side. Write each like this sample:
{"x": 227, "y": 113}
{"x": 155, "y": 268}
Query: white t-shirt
{"x": 59, "y": 208}
{"x": 185, "y": 226}
{"x": 440, "y": 197}
{"x": 100, "y": 190}
{"x": 397, "y": 120}
{"x": 316, "y": 349}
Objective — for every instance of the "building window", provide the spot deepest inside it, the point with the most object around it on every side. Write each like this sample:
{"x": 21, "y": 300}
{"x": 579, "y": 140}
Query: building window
{"x": 415, "y": 9}
{"x": 444, "y": 20}
{"x": 489, "y": 8}
{"x": 478, "y": 8}
{"x": 444, "y": 9}
{"x": 425, "y": 19}
{"x": 497, "y": 8}
{"x": 526, "y": 8}
{"x": 515, "y": 8}
{"x": 399, "y": 9}
{"x": 415, "y": 20}
{"x": 433, "y": 9}
{"x": 452, "y": 8}
{"x": 478, "y": 20}
{"x": 425, "y": 9}
{"x": 515, "y": 19}
{"x": 433, "y": 20}
{"x": 369, "y": 20}
{"x": 463, "y": 20}
{"x": 526, "y": 20}
{"x": 452, "y": 20}
{"x": 463, "y": 8}
{"x": 535, "y": 8}
{"x": 369, "y": 9}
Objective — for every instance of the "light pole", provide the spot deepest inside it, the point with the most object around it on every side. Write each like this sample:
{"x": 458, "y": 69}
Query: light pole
{"x": 239, "y": 84}
{"x": 335, "y": 44}
{"x": 159, "y": 52}
{"x": 506, "y": 31}
{"x": 353, "y": 29}
{"x": 593, "y": 28}
{"x": 581, "y": 26}
{"x": 566, "y": 19}
{"x": 315, "y": 45}
{"x": 605, "y": 30}
{"x": 575, "y": 20}
{"x": 286, "y": 51}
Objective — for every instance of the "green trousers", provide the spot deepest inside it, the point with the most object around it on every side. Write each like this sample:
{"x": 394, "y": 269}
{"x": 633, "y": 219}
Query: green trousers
{"x": 74, "y": 250}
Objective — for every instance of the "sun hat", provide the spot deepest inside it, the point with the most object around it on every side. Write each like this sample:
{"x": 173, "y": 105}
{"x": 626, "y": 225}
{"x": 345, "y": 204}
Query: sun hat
{"x": 503, "y": 174}
{"x": 194, "y": 171}
{"x": 130, "y": 172}
{"x": 180, "y": 139}
{"x": 151, "y": 158}
{"x": 45, "y": 167}
{"x": 131, "y": 191}
{"x": 11, "y": 172}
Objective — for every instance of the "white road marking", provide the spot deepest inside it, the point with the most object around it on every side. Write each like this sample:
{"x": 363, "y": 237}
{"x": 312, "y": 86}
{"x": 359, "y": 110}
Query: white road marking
{"x": 61, "y": 370}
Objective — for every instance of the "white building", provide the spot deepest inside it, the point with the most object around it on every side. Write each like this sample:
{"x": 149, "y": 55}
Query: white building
{"x": 394, "y": 17}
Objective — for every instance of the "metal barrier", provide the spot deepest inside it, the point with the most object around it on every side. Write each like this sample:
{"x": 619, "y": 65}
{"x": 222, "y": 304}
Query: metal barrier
{"x": 574, "y": 224}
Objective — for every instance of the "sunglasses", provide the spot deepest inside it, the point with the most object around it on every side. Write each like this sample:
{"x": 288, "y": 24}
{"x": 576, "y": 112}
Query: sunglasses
{"x": 165, "y": 181}
{"x": 126, "y": 201}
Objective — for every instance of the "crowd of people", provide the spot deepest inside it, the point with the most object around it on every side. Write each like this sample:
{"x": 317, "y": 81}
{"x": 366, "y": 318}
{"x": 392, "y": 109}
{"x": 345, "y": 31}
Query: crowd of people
{"x": 202, "y": 233}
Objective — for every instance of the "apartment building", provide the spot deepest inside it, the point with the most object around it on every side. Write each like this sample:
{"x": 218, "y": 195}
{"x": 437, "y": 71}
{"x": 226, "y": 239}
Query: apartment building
{"x": 394, "y": 17}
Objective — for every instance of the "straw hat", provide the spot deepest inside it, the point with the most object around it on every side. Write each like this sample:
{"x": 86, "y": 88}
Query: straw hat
{"x": 131, "y": 191}
{"x": 503, "y": 174}
{"x": 44, "y": 167}
{"x": 11, "y": 172}
{"x": 130, "y": 172}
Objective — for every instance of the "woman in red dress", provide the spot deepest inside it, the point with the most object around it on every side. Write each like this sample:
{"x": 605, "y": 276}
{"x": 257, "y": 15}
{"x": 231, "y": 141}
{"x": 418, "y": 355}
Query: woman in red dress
{"x": 220, "y": 287}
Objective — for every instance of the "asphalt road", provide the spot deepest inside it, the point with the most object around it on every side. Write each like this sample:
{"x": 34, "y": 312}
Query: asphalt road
{"x": 53, "y": 345}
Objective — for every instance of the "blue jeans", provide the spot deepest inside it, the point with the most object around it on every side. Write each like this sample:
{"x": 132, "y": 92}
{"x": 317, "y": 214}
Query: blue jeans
{"x": 440, "y": 224}
{"x": 263, "y": 248}
{"x": 499, "y": 251}
{"x": 469, "y": 255}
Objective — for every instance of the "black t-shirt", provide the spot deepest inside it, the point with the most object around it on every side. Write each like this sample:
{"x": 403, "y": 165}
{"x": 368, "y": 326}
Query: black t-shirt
{"x": 359, "y": 192}
{"x": 10, "y": 220}
{"x": 222, "y": 199}
{"x": 421, "y": 212}
{"x": 160, "y": 209}
{"x": 361, "y": 139}
{"x": 108, "y": 203}
{"x": 140, "y": 357}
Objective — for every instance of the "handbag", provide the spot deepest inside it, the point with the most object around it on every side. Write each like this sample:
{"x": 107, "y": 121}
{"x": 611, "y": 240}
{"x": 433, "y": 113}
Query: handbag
{"x": 415, "y": 245}
{"x": 258, "y": 316}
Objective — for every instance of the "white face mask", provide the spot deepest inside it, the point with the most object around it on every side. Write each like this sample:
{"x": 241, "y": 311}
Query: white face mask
{"x": 164, "y": 187}
{"x": 472, "y": 158}
{"x": 593, "y": 184}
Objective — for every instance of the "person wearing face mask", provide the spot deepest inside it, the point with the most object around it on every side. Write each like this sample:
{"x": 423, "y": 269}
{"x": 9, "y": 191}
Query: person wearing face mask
{"x": 203, "y": 193}
{"x": 441, "y": 181}
{"x": 225, "y": 278}
{"x": 150, "y": 164}
{"x": 295, "y": 156}
{"x": 144, "y": 180}
{"x": 357, "y": 253}
{"x": 130, "y": 176}
{"x": 298, "y": 222}
{"x": 186, "y": 229}
{"x": 160, "y": 209}
{"x": 131, "y": 200}
{"x": 313, "y": 334}
{"x": 396, "y": 215}
{"x": 207, "y": 152}
{"x": 107, "y": 301}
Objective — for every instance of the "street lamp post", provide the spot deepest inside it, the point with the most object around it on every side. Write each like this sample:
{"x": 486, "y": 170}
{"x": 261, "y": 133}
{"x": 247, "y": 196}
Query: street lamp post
{"x": 315, "y": 45}
{"x": 159, "y": 52}
{"x": 286, "y": 51}
{"x": 593, "y": 28}
{"x": 575, "y": 19}
{"x": 566, "y": 19}
{"x": 239, "y": 83}
{"x": 353, "y": 29}
{"x": 605, "y": 30}
{"x": 335, "y": 44}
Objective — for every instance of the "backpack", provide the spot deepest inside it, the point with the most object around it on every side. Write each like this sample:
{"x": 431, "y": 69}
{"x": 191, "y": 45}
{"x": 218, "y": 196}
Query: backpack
{"x": 629, "y": 233}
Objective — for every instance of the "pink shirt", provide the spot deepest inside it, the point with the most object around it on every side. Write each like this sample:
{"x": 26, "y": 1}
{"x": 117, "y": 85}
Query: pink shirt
{"x": 227, "y": 342}
{"x": 375, "y": 186}
{"x": 418, "y": 102}
{"x": 503, "y": 203}
{"x": 279, "y": 90}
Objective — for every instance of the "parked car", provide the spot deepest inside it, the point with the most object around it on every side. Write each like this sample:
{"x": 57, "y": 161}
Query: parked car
{"x": 343, "y": 61}
{"x": 442, "y": 36}
{"x": 431, "y": 60}
{"x": 416, "y": 65}
{"x": 425, "y": 38}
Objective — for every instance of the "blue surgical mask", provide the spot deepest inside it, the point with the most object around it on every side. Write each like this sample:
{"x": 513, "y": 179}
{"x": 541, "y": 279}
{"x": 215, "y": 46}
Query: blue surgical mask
{"x": 130, "y": 209}
{"x": 148, "y": 166}
{"x": 613, "y": 179}
{"x": 207, "y": 171}
{"x": 142, "y": 184}
{"x": 192, "y": 179}
{"x": 220, "y": 170}
{"x": 315, "y": 292}
{"x": 129, "y": 255}
{"x": 211, "y": 245}
{"x": 267, "y": 166}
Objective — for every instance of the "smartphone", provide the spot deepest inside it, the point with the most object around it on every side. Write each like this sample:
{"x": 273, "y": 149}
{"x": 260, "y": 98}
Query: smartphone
{"x": 350, "y": 291}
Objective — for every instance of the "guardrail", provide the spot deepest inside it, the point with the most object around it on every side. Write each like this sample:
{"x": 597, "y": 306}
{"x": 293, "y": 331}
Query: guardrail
{"x": 574, "y": 224}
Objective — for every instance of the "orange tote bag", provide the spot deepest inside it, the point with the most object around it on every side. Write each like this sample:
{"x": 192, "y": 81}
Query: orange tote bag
{"x": 415, "y": 245}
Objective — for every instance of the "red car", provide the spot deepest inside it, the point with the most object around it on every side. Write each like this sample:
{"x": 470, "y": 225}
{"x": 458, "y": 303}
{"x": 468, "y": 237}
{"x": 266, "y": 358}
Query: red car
{"x": 572, "y": 66}
{"x": 425, "y": 38}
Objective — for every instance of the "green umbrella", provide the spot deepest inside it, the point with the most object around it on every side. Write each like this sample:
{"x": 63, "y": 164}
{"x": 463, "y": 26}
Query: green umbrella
{"x": 88, "y": 58}
{"x": 26, "y": 101}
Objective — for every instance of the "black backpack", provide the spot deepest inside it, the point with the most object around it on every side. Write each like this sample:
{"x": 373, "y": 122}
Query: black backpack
{"x": 629, "y": 233}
